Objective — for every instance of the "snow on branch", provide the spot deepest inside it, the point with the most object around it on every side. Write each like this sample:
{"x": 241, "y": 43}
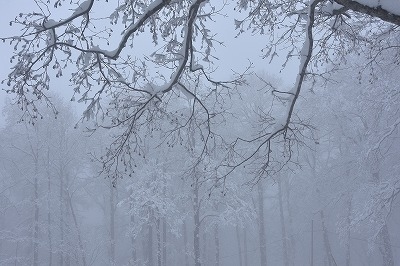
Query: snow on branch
{"x": 134, "y": 86}
{"x": 388, "y": 11}
{"x": 186, "y": 47}
{"x": 83, "y": 10}
{"x": 152, "y": 9}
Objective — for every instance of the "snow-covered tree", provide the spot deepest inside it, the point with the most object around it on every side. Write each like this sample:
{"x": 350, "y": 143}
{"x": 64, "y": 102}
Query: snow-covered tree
{"x": 43, "y": 162}
{"x": 100, "y": 42}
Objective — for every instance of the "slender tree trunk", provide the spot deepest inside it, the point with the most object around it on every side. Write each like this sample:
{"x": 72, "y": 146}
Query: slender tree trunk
{"x": 386, "y": 249}
{"x": 196, "y": 233}
{"x": 164, "y": 241}
{"x": 292, "y": 247}
{"x": 67, "y": 219}
{"x": 150, "y": 239}
{"x": 185, "y": 243}
{"x": 144, "y": 248}
{"x": 82, "y": 250}
{"x": 133, "y": 245}
{"x": 49, "y": 208}
{"x": 327, "y": 244}
{"x": 217, "y": 247}
{"x": 132, "y": 220}
{"x": 239, "y": 245}
{"x": 112, "y": 225}
{"x": 348, "y": 221}
{"x": 159, "y": 245}
{"x": 312, "y": 243}
{"x": 16, "y": 254}
{"x": 283, "y": 228}
{"x": 216, "y": 227}
{"x": 61, "y": 199}
{"x": 196, "y": 209}
{"x": 246, "y": 261}
{"x": 204, "y": 251}
{"x": 261, "y": 225}
{"x": 164, "y": 226}
{"x": 36, "y": 216}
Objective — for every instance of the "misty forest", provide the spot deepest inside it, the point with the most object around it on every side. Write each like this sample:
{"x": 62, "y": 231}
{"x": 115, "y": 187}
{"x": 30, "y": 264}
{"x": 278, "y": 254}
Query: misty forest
{"x": 133, "y": 134}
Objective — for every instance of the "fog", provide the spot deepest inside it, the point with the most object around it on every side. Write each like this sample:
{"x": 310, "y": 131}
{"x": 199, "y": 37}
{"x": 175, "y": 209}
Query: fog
{"x": 127, "y": 161}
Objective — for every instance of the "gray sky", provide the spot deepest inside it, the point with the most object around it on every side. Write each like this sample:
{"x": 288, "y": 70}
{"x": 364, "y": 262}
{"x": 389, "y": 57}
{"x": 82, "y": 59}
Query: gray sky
{"x": 235, "y": 56}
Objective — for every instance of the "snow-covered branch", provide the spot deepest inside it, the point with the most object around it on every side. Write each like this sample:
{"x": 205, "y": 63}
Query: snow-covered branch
{"x": 386, "y": 10}
{"x": 121, "y": 86}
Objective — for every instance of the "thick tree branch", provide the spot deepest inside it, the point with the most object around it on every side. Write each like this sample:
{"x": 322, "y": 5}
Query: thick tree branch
{"x": 378, "y": 11}
{"x": 83, "y": 10}
{"x": 152, "y": 9}
{"x": 282, "y": 128}
{"x": 187, "y": 45}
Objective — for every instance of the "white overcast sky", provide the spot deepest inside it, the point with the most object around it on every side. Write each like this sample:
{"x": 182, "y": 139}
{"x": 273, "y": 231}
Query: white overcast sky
{"x": 235, "y": 56}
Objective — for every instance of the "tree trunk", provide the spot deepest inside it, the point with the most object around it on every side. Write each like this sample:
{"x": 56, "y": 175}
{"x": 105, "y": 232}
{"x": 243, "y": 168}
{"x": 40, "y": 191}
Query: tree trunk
{"x": 132, "y": 220}
{"x": 327, "y": 244}
{"x": 61, "y": 199}
{"x": 164, "y": 241}
{"x": 239, "y": 245}
{"x": 112, "y": 225}
{"x": 185, "y": 243}
{"x": 159, "y": 245}
{"x": 144, "y": 249}
{"x": 49, "y": 207}
{"x": 328, "y": 251}
{"x": 164, "y": 225}
{"x": 204, "y": 257}
{"x": 216, "y": 228}
{"x": 150, "y": 239}
{"x": 261, "y": 226}
{"x": 292, "y": 246}
{"x": 68, "y": 242}
{"x": 196, "y": 232}
{"x": 217, "y": 248}
{"x": 82, "y": 250}
{"x": 386, "y": 249}
{"x": 283, "y": 228}
{"x": 245, "y": 247}
{"x": 16, "y": 254}
{"x": 348, "y": 221}
{"x": 36, "y": 216}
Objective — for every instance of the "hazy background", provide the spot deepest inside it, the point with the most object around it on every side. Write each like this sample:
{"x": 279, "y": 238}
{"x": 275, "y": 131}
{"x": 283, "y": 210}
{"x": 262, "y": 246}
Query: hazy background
{"x": 335, "y": 204}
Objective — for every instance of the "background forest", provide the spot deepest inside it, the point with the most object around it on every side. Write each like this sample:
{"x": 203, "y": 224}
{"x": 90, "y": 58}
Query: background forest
{"x": 172, "y": 163}
{"x": 336, "y": 201}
